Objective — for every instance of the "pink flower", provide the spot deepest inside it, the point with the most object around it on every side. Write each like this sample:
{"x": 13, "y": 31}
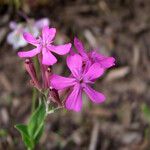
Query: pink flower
{"x": 44, "y": 45}
{"x": 80, "y": 81}
{"x": 93, "y": 57}
{"x": 15, "y": 37}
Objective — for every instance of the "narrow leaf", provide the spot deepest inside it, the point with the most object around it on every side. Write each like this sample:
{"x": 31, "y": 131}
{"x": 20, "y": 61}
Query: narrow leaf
{"x": 36, "y": 120}
{"x": 39, "y": 133}
{"x": 23, "y": 129}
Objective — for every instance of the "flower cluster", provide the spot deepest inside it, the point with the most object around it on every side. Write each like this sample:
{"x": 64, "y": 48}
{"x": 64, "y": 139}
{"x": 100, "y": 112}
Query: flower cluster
{"x": 85, "y": 68}
{"x": 15, "y": 37}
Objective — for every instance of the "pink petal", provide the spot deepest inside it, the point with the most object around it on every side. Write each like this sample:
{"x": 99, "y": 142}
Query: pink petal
{"x": 95, "y": 55}
{"x": 59, "y": 82}
{"x": 94, "y": 72}
{"x": 29, "y": 38}
{"x": 48, "y": 57}
{"x": 95, "y": 96}
{"x": 74, "y": 100}
{"x": 42, "y": 22}
{"x": 61, "y": 49}
{"x": 74, "y": 62}
{"x": 87, "y": 65}
{"x": 79, "y": 46}
{"x": 107, "y": 62}
{"x": 48, "y": 33}
{"x": 104, "y": 61}
{"x": 71, "y": 52}
{"x": 30, "y": 53}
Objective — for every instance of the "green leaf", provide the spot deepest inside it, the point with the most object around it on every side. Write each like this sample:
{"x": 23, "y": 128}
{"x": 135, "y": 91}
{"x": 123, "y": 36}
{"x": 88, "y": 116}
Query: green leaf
{"x": 23, "y": 129}
{"x": 32, "y": 132}
{"x": 37, "y": 121}
{"x": 146, "y": 111}
{"x": 39, "y": 133}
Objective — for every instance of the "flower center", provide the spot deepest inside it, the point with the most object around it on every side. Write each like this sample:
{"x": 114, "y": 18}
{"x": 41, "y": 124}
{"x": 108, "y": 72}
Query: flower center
{"x": 44, "y": 43}
{"x": 81, "y": 81}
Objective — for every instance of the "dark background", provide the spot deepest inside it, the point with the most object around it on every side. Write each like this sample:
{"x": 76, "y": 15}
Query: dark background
{"x": 118, "y": 28}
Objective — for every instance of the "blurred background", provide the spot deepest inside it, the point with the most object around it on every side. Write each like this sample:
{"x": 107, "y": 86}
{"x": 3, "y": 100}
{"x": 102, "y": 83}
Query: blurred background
{"x": 118, "y": 28}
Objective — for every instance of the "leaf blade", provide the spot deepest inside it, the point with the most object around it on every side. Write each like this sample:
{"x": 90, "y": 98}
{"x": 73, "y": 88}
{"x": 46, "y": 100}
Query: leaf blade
{"x": 23, "y": 129}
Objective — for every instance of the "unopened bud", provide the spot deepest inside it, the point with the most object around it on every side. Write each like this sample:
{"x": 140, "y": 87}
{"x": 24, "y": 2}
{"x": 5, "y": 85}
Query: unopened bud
{"x": 48, "y": 73}
{"x": 31, "y": 70}
{"x": 54, "y": 96}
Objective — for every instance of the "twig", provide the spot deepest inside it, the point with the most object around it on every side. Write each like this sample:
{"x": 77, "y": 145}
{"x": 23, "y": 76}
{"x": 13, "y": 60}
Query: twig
{"x": 94, "y": 136}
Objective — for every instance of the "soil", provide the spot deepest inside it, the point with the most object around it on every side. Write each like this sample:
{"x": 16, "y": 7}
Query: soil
{"x": 118, "y": 28}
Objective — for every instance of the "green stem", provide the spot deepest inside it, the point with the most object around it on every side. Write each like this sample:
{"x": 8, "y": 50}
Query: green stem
{"x": 37, "y": 66}
{"x": 34, "y": 97}
{"x": 35, "y": 93}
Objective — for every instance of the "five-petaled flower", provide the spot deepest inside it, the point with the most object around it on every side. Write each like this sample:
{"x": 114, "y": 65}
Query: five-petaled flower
{"x": 15, "y": 37}
{"x": 93, "y": 56}
{"x": 44, "y": 45}
{"x": 80, "y": 80}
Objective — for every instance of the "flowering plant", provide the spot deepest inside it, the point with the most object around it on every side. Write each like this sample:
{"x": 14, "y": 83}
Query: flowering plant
{"x": 85, "y": 68}
{"x": 15, "y": 37}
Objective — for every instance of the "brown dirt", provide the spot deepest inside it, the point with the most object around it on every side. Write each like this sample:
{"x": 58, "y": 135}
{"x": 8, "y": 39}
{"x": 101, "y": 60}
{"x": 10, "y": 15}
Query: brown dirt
{"x": 120, "y": 28}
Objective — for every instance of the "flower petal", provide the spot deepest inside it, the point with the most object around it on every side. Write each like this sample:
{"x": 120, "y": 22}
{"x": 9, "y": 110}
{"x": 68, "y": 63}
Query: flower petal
{"x": 104, "y": 61}
{"x": 30, "y": 53}
{"x": 48, "y": 33}
{"x": 61, "y": 49}
{"x": 48, "y": 57}
{"x": 74, "y": 100}
{"x": 107, "y": 62}
{"x": 94, "y": 72}
{"x": 79, "y": 46}
{"x": 42, "y": 22}
{"x": 74, "y": 62}
{"x": 29, "y": 38}
{"x": 16, "y": 39}
{"x": 95, "y": 96}
{"x": 71, "y": 52}
{"x": 59, "y": 82}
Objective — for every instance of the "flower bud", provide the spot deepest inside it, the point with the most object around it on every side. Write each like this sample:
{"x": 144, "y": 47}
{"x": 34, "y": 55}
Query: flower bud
{"x": 48, "y": 73}
{"x": 54, "y": 96}
{"x": 31, "y": 70}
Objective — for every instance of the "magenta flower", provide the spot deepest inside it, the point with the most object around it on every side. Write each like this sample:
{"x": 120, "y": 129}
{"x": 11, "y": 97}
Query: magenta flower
{"x": 80, "y": 81}
{"x": 15, "y": 37}
{"x": 44, "y": 45}
{"x": 93, "y": 56}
